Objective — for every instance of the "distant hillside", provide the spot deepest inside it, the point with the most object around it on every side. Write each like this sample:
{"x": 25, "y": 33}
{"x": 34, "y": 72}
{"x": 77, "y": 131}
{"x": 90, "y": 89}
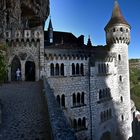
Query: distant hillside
{"x": 134, "y": 65}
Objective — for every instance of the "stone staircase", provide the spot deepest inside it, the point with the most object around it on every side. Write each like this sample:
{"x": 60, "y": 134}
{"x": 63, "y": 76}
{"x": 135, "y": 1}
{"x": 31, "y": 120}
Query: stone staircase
{"x": 24, "y": 112}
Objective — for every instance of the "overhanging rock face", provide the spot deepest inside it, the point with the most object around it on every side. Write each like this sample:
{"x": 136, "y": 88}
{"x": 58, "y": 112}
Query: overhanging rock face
{"x": 23, "y": 13}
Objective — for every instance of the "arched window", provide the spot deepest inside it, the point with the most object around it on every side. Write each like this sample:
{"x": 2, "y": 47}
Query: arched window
{"x": 83, "y": 98}
{"x": 119, "y": 57}
{"x": 110, "y": 113}
{"x": 58, "y": 99}
{"x": 120, "y": 78}
{"x": 99, "y": 68}
{"x": 114, "y": 30}
{"x": 107, "y": 68}
{"x": 121, "y": 29}
{"x": 102, "y": 116}
{"x": 57, "y": 69}
{"x": 84, "y": 123}
{"x": 62, "y": 69}
{"x": 109, "y": 93}
{"x": 63, "y": 100}
{"x": 122, "y": 118}
{"x": 74, "y": 124}
{"x": 100, "y": 94}
{"x": 82, "y": 69}
{"x": 73, "y": 69}
{"x": 102, "y": 68}
{"x": 104, "y": 93}
{"x": 79, "y": 123}
{"x": 77, "y": 68}
{"x": 52, "y": 69}
{"x": 121, "y": 99}
{"x": 107, "y": 114}
{"x": 74, "y": 99}
{"x": 78, "y": 98}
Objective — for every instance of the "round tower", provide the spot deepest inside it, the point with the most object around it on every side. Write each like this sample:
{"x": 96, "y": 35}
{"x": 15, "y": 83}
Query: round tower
{"x": 117, "y": 39}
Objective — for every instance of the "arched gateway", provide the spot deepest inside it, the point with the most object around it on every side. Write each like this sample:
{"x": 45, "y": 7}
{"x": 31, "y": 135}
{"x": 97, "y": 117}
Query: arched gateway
{"x": 30, "y": 71}
{"x": 14, "y": 66}
{"x": 106, "y": 136}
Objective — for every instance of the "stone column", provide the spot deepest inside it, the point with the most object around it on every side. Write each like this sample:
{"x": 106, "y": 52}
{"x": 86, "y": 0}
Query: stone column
{"x": 23, "y": 70}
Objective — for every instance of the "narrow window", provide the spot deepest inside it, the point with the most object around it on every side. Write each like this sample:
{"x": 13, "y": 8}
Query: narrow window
{"x": 121, "y": 99}
{"x": 104, "y": 93}
{"x": 82, "y": 98}
{"x": 100, "y": 94}
{"x": 121, "y": 29}
{"x": 119, "y": 57}
{"x": 74, "y": 99}
{"x": 79, "y": 123}
{"x": 110, "y": 113}
{"x": 99, "y": 68}
{"x": 107, "y": 68}
{"x": 82, "y": 69}
{"x": 122, "y": 118}
{"x": 75, "y": 124}
{"x": 63, "y": 100}
{"x": 57, "y": 69}
{"x": 62, "y": 69}
{"x": 73, "y": 69}
{"x": 52, "y": 69}
{"x": 84, "y": 123}
{"x": 120, "y": 78}
{"x": 78, "y": 98}
{"x": 102, "y": 116}
{"x": 77, "y": 68}
{"x": 58, "y": 99}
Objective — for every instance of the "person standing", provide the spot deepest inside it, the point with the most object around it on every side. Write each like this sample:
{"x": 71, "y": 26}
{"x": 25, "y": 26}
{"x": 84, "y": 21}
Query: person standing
{"x": 18, "y": 73}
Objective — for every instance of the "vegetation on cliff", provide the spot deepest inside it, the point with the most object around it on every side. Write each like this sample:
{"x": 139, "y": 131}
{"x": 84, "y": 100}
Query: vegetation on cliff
{"x": 135, "y": 81}
{"x": 3, "y": 73}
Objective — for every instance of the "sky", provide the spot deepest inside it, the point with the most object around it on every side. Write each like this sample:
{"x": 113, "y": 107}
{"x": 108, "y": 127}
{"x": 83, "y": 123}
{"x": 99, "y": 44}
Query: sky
{"x": 89, "y": 17}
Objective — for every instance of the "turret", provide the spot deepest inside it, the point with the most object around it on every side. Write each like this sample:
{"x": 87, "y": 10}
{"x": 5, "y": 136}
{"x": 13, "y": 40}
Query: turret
{"x": 117, "y": 30}
{"x": 50, "y": 32}
{"x": 117, "y": 39}
{"x": 89, "y": 44}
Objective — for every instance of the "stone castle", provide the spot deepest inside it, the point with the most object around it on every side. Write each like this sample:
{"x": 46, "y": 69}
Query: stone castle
{"x": 90, "y": 83}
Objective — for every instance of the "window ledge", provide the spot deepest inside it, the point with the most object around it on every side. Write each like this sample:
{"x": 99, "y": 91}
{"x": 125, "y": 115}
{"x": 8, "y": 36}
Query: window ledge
{"x": 77, "y": 75}
{"x": 104, "y": 74}
{"x": 77, "y": 106}
{"x": 104, "y": 100}
{"x": 81, "y": 129}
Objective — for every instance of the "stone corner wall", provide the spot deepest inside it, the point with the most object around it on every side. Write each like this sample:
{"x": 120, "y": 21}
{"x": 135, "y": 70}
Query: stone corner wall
{"x": 60, "y": 127}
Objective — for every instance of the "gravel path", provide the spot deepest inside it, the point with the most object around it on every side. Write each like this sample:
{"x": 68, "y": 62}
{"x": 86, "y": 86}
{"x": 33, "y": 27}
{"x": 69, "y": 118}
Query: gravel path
{"x": 24, "y": 115}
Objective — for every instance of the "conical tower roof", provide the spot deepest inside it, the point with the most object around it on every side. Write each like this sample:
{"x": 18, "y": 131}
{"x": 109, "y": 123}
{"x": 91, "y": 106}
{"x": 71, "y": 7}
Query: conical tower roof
{"x": 117, "y": 17}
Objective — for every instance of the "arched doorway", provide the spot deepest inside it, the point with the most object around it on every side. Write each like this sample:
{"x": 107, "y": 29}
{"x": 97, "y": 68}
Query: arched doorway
{"x": 14, "y": 66}
{"x": 106, "y": 136}
{"x": 30, "y": 71}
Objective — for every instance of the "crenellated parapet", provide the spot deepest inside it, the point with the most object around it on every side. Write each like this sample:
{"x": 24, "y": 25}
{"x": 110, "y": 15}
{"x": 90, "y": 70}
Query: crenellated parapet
{"x": 118, "y": 34}
{"x": 23, "y": 36}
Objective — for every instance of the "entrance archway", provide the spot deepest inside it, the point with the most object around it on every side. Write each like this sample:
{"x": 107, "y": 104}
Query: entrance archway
{"x": 14, "y": 66}
{"x": 30, "y": 71}
{"x": 106, "y": 136}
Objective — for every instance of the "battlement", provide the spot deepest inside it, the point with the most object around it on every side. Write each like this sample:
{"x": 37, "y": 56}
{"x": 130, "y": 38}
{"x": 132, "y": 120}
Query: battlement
{"x": 23, "y": 35}
{"x": 118, "y": 34}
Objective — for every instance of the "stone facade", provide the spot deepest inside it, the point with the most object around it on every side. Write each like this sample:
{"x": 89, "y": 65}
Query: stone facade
{"x": 90, "y": 83}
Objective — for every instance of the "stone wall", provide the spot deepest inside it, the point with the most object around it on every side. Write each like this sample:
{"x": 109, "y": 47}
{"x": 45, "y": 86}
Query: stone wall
{"x": 60, "y": 127}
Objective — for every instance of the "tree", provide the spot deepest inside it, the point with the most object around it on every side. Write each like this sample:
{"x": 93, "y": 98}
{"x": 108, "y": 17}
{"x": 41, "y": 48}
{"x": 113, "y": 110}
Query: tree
{"x": 3, "y": 73}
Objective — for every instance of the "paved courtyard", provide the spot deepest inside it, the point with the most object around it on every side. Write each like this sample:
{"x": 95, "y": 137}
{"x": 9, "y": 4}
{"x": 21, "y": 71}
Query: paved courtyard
{"x": 25, "y": 115}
